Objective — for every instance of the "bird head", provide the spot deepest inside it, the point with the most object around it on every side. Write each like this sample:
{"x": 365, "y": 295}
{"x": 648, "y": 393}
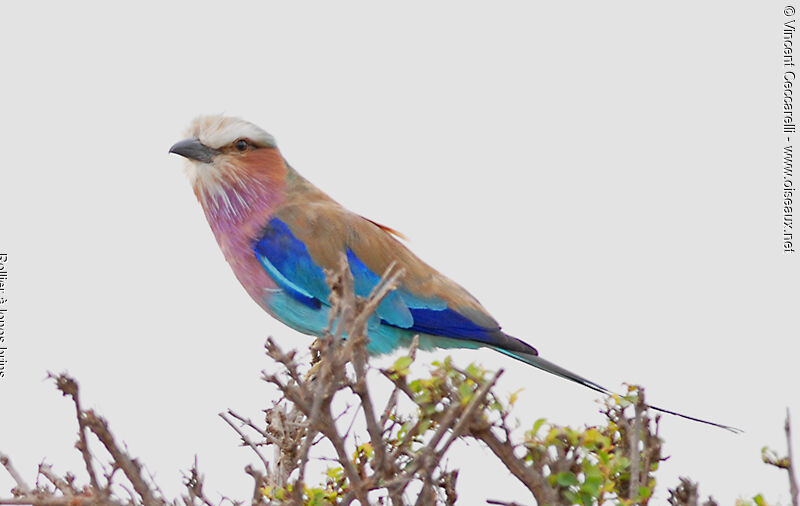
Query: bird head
{"x": 229, "y": 162}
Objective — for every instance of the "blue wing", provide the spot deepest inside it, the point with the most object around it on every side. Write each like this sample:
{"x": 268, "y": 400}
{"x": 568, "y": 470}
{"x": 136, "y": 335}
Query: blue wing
{"x": 288, "y": 263}
{"x": 287, "y": 260}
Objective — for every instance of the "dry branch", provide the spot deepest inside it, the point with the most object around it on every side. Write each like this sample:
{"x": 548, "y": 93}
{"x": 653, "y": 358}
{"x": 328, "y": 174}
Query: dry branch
{"x": 22, "y": 488}
{"x": 793, "y": 489}
{"x": 403, "y": 458}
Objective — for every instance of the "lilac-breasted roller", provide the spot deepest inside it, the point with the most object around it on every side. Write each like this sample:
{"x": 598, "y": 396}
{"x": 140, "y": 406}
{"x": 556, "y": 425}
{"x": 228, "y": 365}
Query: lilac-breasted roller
{"x": 279, "y": 233}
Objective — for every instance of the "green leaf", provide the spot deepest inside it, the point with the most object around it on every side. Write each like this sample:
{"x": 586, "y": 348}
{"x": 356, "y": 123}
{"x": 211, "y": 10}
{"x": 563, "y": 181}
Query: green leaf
{"x": 475, "y": 371}
{"x": 567, "y": 479}
{"x": 592, "y": 485}
{"x": 552, "y": 434}
{"x": 620, "y": 464}
{"x": 365, "y": 449}
{"x": 402, "y": 363}
{"x": 335, "y": 472}
{"x": 572, "y": 436}
{"x": 315, "y": 497}
{"x": 571, "y": 496}
{"x": 591, "y": 470}
{"x": 538, "y": 424}
{"x": 465, "y": 392}
{"x": 759, "y": 500}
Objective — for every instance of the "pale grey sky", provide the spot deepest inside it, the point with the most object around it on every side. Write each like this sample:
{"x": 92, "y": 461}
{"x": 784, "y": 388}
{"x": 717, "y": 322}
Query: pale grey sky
{"x": 604, "y": 177}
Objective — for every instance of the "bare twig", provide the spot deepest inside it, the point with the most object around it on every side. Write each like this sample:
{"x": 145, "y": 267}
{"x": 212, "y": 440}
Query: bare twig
{"x": 266, "y": 435}
{"x": 344, "y": 459}
{"x": 533, "y": 480}
{"x": 55, "y": 501}
{"x": 130, "y": 467}
{"x": 685, "y": 494}
{"x": 246, "y": 440}
{"x": 447, "y": 483}
{"x": 304, "y": 449}
{"x": 194, "y": 485}
{"x": 391, "y": 403}
{"x": 634, "y": 435}
{"x": 46, "y": 470}
{"x": 793, "y": 489}
{"x": 787, "y": 462}
{"x": 466, "y": 417}
{"x": 259, "y": 480}
{"x": 69, "y": 386}
{"x": 388, "y": 283}
{"x": 22, "y": 487}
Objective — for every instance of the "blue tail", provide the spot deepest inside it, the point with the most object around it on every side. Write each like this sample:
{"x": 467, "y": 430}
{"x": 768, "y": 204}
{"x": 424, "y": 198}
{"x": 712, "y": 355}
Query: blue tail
{"x": 525, "y": 353}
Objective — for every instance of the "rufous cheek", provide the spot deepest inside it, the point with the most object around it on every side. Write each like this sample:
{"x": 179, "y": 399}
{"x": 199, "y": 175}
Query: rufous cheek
{"x": 262, "y": 162}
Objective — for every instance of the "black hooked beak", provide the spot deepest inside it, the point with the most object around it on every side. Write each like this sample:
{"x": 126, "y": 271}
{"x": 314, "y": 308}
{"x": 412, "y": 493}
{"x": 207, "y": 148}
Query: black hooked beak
{"x": 193, "y": 149}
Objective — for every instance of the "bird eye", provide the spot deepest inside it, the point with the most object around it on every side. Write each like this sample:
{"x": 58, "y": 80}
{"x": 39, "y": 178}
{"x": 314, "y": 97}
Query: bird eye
{"x": 242, "y": 144}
